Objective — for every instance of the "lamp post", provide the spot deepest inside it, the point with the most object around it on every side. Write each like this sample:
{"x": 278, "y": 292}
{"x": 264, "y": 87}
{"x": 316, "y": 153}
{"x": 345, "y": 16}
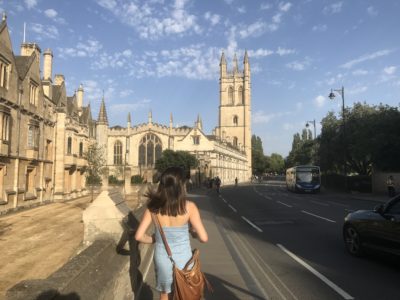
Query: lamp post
{"x": 332, "y": 96}
{"x": 312, "y": 122}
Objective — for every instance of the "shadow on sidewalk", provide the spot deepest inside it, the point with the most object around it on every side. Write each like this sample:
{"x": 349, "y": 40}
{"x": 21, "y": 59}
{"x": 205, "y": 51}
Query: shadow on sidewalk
{"x": 139, "y": 287}
{"x": 226, "y": 290}
{"x": 55, "y": 295}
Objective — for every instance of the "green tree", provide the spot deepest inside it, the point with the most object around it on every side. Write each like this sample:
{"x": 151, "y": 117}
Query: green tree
{"x": 303, "y": 150}
{"x": 275, "y": 163}
{"x": 170, "y": 158}
{"x": 371, "y": 139}
{"x": 95, "y": 164}
{"x": 258, "y": 158}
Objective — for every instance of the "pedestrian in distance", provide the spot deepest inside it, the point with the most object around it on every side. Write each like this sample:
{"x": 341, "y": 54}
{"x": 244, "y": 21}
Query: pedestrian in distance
{"x": 217, "y": 183}
{"x": 178, "y": 217}
{"x": 390, "y": 186}
{"x": 236, "y": 181}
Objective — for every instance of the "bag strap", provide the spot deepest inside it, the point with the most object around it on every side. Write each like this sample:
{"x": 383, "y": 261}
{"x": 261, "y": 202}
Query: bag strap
{"x": 157, "y": 222}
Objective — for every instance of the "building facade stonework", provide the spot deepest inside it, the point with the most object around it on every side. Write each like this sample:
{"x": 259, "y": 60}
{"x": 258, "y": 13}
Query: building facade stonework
{"x": 226, "y": 153}
{"x": 44, "y": 132}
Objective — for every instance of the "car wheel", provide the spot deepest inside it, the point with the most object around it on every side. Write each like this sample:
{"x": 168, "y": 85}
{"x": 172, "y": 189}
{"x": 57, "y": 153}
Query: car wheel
{"x": 352, "y": 240}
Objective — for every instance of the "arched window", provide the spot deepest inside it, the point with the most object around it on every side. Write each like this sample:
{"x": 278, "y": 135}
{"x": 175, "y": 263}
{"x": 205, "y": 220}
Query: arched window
{"x": 235, "y": 141}
{"x": 118, "y": 153}
{"x": 69, "y": 145}
{"x": 235, "y": 120}
{"x": 240, "y": 95}
{"x": 150, "y": 149}
{"x": 80, "y": 149}
{"x": 230, "y": 95}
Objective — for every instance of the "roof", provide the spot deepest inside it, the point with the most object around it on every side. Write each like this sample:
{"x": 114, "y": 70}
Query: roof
{"x": 23, "y": 63}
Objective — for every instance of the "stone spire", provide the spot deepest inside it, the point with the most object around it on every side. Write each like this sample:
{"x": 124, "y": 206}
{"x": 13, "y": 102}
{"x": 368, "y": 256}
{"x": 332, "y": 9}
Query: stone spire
{"x": 246, "y": 64}
{"x": 222, "y": 65}
{"x": 235, "y": 64}
{"x": 150, "y": 117}
{"x": 171, "y": 120}
{"x": 199, "y": 122}
{"x": 4, "y": 18}
{"x": 103, "y": 113}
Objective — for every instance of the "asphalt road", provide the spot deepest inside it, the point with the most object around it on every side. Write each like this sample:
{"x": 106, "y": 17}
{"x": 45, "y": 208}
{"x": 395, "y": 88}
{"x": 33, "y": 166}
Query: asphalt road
{"x": 289, "y": 246}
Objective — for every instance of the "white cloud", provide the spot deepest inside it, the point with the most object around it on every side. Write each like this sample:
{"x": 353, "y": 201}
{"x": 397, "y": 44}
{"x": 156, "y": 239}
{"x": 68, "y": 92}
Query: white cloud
{"x": 241, "y": 9}
{"x": 88, "y": 49}
{"x": 277, "y": 18}
{"x": 125, "y": 93}
{"x": 319, "y": 101}
{"x": 265, "y": 6}
{"x": 253, "y": 30}
{"x": 357, "y": 90}
{"x": 259, "y": 53}
{"x": 229, "y": 2}
{"x": 44, "y": 31}
{"x": 360, "y": 72}
{"x": 52, "y": 14}
{"x": 372, "y": 11}
{"x": 212, "y": 18}
{"x": 153, "y": 20}
{"x": 366, "y": 57}
{"x": 30, "y": 3}
{"x": 320, "y": 28}
{"x": 260, "y": 116}
{"x": 128, "y": 107}
{"x": 298, "y": 65}
{"x": 333, "y": 8}
{"x": 390, "y": 70}
{"x": 284, "y": 51}
{"x": 285, "y": 6}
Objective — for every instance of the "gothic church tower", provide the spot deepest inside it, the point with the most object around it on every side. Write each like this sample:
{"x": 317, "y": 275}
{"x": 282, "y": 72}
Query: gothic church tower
{"x": 235, "y": 106}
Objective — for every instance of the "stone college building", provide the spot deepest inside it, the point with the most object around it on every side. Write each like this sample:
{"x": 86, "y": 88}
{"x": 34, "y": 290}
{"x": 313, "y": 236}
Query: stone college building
{"x": 44, "y": 132}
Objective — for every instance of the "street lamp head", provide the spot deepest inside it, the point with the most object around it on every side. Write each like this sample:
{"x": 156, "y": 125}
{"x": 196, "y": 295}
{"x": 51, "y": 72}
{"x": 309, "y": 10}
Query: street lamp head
{"x": 331, "y": 95}
{"x": 307, "y": 125}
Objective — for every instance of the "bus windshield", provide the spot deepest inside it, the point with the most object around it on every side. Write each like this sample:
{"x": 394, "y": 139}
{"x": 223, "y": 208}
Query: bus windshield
{"x": 307, "y": 175}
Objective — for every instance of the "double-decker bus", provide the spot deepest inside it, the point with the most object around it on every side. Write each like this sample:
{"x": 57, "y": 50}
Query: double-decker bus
{"x": 303, "y": 179}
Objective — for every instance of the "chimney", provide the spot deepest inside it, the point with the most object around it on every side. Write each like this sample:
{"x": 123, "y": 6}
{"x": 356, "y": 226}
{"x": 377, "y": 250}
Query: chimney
{"x": 59, "y": 79}
{"x": 28, "y": 48}
{"x": 47, "y": 64}
{"x": 79, "y": 97}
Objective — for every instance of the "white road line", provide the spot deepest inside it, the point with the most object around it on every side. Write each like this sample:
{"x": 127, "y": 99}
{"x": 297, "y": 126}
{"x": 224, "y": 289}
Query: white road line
{"x": 284, "y": 204}
{"x": 224, "y": 200}
{"x": 336, "y": 288}
{"x": 267, "y": 197}
{"x": 252, "y": 225}
{"x": 311, "y": 214}
{"x": 319, "y": 203}
{"x": 234, "y": 209}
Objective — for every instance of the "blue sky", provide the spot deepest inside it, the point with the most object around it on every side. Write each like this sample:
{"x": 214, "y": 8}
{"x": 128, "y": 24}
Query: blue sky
{"x": 164, "y": 56}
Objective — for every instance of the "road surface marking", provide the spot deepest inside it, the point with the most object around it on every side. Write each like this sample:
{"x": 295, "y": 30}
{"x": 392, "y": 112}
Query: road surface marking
{"x": 234, "y": 209}
{"x": 319, "y": 203}
{"x": 316, "y": 273}
{"x": 284, "y": 204}
{"x": 267, "y": 197}
{"x": 311, "y": 214}
{"x": 252, "y": 225}
{"x": 223, "y": 199}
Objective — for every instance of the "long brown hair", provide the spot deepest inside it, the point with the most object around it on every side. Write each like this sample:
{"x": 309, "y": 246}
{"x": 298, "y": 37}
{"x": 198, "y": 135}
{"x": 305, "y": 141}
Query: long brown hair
{"x": 170, "y": 197}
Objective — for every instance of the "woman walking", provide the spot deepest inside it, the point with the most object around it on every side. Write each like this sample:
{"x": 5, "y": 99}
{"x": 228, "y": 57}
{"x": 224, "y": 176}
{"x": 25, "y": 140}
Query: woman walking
{"x": 177, "y": 216}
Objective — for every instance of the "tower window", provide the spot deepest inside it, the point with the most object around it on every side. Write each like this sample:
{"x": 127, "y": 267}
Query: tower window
{"x": 69, "y": 146}
{"x": 33, "y": 93}
{"x": 235, "y": 141}
{"x": 118, "y": 153}
{"x": 80, "y": 149}
{"x": 4, "y": 67}
{"x": 230, "y": 95}
{"x": 33, "y": 136}
{"x": 235, "y": 120}
{"x": 196, "y": 139}
{"x": 240, "y": 95}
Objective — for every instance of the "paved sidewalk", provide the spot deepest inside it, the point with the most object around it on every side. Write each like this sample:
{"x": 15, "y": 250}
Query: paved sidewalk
{"x": 36, "y": 242}
{"x": 217, "y": 262}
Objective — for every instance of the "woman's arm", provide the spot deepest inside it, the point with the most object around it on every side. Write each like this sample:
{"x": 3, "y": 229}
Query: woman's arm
{"x": 197, "y": 223}
{"x": 140, "y": 234}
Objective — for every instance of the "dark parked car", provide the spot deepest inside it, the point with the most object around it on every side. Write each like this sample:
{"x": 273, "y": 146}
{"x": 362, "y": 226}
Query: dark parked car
{"x": 377, "y": 230}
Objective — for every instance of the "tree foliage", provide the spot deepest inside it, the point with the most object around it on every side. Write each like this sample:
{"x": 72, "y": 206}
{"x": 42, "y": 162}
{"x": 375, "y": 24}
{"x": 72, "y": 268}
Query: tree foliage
{"x": 369, "y": 138}
{"x": 304, "y": 150}
{"x": 275, "y": 163}
{"x": 258, "y": 160}
{"x": 170, "y": 158}
{"x": 95, "y": 163}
